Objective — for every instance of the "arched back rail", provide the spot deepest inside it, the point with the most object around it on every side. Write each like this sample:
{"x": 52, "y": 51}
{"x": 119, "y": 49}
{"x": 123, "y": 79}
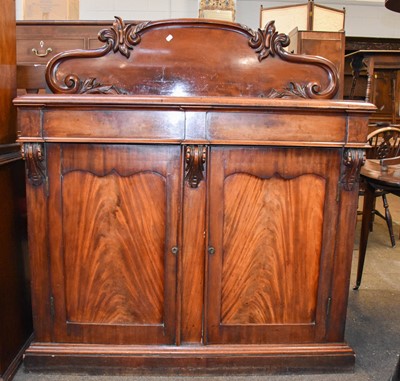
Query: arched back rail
{"x": 192, "y": 57}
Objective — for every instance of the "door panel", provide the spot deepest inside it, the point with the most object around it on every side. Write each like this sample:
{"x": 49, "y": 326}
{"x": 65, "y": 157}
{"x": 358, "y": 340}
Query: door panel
{"x": 273, "y": 235}
{"x": 268, "y": 243}
{"x": 114, "y": 223}
{"x": 116, "y": 251}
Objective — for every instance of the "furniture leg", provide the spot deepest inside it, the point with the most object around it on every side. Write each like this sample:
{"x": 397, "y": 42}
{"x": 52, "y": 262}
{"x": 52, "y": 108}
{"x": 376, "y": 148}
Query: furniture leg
{"x": 388, "y": 218}
{"x": 365, "y": 228}
{"x": 373, "y": 212}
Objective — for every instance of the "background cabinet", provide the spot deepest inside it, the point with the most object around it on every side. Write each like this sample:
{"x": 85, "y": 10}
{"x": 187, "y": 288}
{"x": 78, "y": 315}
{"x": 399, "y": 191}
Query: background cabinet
{"x": 376, "y": 78}
{"x": 15, "y": 315}
{"x": 39, "y": 41}
{"x": 330, "y": 45}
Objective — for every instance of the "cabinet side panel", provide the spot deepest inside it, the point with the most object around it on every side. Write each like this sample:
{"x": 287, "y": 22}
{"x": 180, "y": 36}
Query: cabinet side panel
{"x": 114, "y": 231}
{"x": 267, "y": 257}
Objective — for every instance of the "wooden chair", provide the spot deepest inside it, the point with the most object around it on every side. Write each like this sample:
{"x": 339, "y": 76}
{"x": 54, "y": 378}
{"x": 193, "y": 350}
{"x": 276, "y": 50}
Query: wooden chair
{"x": 385, "y": 144}
{"x": 379, "y": 176}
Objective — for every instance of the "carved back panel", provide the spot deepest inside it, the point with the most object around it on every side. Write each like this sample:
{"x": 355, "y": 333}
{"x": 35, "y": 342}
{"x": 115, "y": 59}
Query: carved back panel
{"x": 192, "y": 57}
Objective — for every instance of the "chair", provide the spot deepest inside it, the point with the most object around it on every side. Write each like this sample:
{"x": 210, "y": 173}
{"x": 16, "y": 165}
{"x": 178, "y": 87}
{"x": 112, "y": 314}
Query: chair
{"x": 385, "y": 143}
{"x": 379, "y": 176}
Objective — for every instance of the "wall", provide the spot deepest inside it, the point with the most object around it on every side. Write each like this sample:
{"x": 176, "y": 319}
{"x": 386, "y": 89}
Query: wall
{"x": 363, "y": 17}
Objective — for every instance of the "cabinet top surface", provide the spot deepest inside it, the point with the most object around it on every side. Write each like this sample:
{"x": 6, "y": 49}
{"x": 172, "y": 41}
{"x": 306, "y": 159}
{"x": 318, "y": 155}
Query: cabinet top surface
{"x": 182, "y": 103}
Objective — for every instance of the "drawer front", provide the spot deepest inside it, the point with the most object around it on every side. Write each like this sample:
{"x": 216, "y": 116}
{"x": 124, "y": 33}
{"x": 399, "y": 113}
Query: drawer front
{"x": 95, "y": 43}
{"x": 38, "y": 50}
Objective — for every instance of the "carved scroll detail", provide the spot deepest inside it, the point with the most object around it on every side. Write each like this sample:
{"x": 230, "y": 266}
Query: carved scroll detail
{"x": 33, "y": 154}
{"x": 119, "y": 38}
{"x": 91, "y": 86}
{"x": 122, "y": 39}
{"x": 293, "y": 90}
{"x": 353, "y": 160}
{"x": 268, "y": 42}
{"x": 195, "y": 158}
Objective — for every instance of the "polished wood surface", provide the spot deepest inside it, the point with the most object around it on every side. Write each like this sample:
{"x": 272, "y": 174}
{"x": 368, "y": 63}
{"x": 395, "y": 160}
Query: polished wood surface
{"x": 15, "y": 315}
{"x": 385, "y": 146}
{"x": 167, "y": 75}
{"x": 256, "y": 287}
{"x": 39, "y": 41}
{"x": 330, "y": 45}
{"x": 7, "y": 75}
{"x": 375, "y": 172}
{"x": 201, "y": 231}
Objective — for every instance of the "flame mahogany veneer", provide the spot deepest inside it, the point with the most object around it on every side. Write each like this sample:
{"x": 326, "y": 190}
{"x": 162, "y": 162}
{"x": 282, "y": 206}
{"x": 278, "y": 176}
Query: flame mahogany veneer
{"x": 192, "y": 194}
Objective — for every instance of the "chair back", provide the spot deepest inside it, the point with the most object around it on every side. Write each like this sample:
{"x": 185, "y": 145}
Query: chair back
{"x": 385, "y": 143}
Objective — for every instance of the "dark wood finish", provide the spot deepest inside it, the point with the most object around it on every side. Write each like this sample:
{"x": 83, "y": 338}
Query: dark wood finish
{"x": 354, "y": 44}
{"x": 385, "y": 145}
{"x": 393, "y": 5}
{"x": 162, "y": 192}
{"x": 7, "y": 75}
{"x": 15, "y": 316}
{"x": 330, "y": 45}
{"x": 39, "y": 41}
{"x": 376, "y": 78}
{"x": 376, "y": 178}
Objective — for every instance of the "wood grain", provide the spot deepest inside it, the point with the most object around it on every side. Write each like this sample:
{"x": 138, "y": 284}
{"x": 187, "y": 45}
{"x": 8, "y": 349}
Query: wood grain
{"x": 272, "y": 247}
{"x": 115, "y": 256}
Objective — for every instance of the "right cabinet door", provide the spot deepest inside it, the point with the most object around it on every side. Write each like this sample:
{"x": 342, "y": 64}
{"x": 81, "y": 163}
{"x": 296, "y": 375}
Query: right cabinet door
{"x": 272, "y": 222}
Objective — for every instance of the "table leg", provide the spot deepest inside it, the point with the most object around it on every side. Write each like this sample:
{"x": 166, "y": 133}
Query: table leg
{"x": 365, "y": 227}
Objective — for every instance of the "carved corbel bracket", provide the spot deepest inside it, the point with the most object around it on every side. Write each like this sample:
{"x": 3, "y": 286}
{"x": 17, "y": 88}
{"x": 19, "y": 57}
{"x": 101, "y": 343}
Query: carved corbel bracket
{"x": 195, "y": 157}
{"x": 353, "y": 160}
{"x": 33, "y": 154}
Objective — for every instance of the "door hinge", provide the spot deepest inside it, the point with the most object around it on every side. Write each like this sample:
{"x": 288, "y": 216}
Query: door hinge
{"x": 47, "y": 187}
{"x": 52, "y": 308}
{"x": 328, "y": 306}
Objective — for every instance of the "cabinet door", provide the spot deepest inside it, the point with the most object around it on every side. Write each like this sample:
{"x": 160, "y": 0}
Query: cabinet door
{"x": 273, "y": 216}
{"x": 113, "y": 224}
{"x": 384, "y": 95}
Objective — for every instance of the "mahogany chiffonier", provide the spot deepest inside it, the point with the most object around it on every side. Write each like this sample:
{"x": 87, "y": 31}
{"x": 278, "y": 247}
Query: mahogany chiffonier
{"x": 192, "y": 192}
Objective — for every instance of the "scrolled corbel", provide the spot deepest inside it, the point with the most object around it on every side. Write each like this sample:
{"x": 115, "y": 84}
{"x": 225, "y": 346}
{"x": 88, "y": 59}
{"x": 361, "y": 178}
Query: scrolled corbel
{"x": 353, "y": 160}
{"x": 33, "y": 154}
{"x": 195, "y": 158}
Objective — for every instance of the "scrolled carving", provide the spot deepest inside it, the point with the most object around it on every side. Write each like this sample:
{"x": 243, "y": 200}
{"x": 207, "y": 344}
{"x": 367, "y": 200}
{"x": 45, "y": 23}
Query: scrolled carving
{"x": 353, "y": 160}
{"x": 33, "y": 154}
{"x": 122, "y": 37}
{"x": 91, "y": 86}
{"x": 119, "y": 38}
{"x": 195, "y": 158}
{"x": 268, "y": 42}
{"x": 293, "y": 90}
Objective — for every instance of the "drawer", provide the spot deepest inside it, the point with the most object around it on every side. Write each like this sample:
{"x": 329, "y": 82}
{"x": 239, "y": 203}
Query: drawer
{"x": 95, "y": 43}
{"x": 45, "y": 48}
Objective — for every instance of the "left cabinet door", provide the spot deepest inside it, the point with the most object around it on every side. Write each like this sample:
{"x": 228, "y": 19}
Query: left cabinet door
{"x": 113, "y": 232}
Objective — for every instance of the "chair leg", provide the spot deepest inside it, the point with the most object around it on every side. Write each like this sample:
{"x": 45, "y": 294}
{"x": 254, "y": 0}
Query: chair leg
{"x": 388, "y": 218}
{"x": 371, "y": 224}
{"x": 365, "y": 228}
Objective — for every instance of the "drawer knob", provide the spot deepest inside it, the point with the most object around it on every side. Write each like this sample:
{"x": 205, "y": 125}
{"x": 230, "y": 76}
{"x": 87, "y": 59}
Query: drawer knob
{"x": 46, "y": 53}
